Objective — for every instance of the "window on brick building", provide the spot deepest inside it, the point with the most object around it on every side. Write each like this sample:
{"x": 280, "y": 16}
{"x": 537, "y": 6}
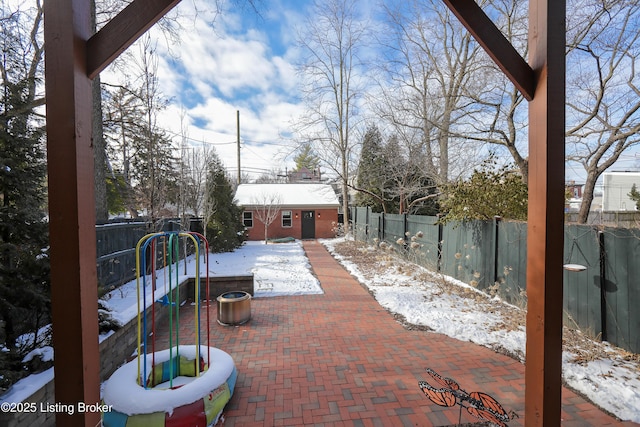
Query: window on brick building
{"x": 286, "y": 219}
{"x": 247, "y": 219}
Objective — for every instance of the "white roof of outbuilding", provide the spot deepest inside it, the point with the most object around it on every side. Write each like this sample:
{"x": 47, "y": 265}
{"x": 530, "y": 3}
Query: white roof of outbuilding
{"x": 290, "y": 195}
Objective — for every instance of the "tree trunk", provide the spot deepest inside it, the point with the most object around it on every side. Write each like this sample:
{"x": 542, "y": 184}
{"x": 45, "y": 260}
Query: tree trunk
{"x": 99, "y": 155}
{"x": 587, "y": 198}
{"x": 345, "y": 203}
{"x": 521, "y": 162}
{"x": 99, "y": 148}
{"x": 266, "y": 230}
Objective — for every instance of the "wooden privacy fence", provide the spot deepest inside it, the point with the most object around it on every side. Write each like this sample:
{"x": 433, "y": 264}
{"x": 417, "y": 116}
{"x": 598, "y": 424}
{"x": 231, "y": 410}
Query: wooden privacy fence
{"x": 602, "y": 300}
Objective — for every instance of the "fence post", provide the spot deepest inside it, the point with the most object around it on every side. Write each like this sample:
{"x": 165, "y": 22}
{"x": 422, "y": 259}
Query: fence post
{"x": 405, "y": 229}
{"x": 603, "y": 284}
{"x": 353, "y": 211}
{"x": 382, "y": 232}
{"x": 367, "y": 226}
{"x": 440, "y": 237}
{"x": 349, "y": 221}
{"x": 496, "y": 223}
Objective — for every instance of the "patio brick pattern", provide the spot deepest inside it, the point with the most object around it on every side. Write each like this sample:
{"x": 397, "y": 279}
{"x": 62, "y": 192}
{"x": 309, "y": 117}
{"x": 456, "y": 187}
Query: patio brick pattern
{"x": 340, "y": 359}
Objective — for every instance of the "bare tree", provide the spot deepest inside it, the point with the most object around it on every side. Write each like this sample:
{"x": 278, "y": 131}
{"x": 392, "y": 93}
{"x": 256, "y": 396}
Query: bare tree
{"x": 431, "y": 65}
{"x": 331, "y": 42}
{"x": 409, "y": 185}
{"x": 22, "y": 53}
{"x": 498, "y": 114}
{"x": 603, "y": 94}
{"x": 266, "y": 209}
{"x": 102, "y": 12}
{"x": 195, "y": 161}
{"x": 209, "y": 209}
{"x": 153, "y": 169}
{"x": 185, "y": 169}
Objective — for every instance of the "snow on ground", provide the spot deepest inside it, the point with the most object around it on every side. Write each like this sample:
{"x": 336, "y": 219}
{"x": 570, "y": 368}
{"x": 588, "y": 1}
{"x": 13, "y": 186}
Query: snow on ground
{"x": 607, "y": 376}
{"x": 278, "y": 269}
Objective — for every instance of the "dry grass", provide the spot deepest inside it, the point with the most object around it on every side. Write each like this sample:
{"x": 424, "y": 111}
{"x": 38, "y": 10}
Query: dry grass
{"x": 372, "y": 262}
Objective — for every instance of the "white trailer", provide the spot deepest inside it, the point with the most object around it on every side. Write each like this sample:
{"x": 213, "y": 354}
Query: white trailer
{"x": 616, "y": 188}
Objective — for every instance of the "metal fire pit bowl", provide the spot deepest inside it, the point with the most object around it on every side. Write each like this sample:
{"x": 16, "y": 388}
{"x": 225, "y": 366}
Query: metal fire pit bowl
{"x": 234, "y": 308}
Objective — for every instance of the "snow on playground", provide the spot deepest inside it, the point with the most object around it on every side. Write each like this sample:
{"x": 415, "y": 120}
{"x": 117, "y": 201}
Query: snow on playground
{"x": 283, "y": 269}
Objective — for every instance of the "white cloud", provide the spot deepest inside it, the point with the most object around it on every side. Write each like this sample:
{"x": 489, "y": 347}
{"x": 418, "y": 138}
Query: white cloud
{"x": 218, "y": 68}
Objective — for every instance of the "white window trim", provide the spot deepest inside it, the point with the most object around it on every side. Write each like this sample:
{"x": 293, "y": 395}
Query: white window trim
{"x": 282, "y": 215}
{"x": 244, "y": 219}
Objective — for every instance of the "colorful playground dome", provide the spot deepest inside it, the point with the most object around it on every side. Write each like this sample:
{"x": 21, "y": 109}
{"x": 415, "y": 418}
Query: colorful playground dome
{"x": 183, "y": 385}
{"x": 191, "y": 401}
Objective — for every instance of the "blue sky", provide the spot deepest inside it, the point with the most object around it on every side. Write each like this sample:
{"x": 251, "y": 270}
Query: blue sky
{"x": 243, "y": 61}
{"x": 235, "y": 61}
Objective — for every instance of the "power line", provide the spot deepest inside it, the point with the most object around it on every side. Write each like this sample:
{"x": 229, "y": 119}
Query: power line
{"x": 198, "y": 141}
{"x": 275, "y": 144}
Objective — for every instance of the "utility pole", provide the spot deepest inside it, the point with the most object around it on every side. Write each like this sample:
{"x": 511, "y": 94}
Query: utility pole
{"x": 238, "y": 127}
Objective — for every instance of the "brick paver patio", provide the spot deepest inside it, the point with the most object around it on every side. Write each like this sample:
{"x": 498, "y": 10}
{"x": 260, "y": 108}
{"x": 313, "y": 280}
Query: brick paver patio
{"x": 339, "y": 359}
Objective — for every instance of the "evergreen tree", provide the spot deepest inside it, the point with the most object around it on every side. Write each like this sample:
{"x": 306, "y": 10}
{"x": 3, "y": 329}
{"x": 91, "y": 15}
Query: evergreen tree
{"x": 24, "y": 265}
{"x": 154, "y": 171}
{"x": 391, "y": 178}
{"x": 306, "y": 158}
{"x": 634, "y": 195}
{"x": 116, "y": 194}
{"x": 223, "y": 218}
{"x": 371, "y": 176}
{"x": 122, "y": 116}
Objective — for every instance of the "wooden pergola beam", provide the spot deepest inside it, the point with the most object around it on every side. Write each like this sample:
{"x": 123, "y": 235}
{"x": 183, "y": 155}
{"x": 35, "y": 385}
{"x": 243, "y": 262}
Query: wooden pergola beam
{"x": 543, "y": 84}
{"x": 495, "y": 44}
{"x": 124, "y": 29}
{"x": 73, "y": 58}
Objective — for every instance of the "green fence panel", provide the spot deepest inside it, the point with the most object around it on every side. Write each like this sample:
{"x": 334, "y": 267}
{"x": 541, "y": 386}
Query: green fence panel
{"x": 375, "y": 231}
{"x": 581, "y": 293}
{"x": 360, "y": 223}
{"x": 489, "y": 254}
{"x": 423, "y": 240}
{"x": 394, "y": 229}
{"x": 467, "y": 252}
{"x": 511, "y": 264}
{"x": 622, "y": 287}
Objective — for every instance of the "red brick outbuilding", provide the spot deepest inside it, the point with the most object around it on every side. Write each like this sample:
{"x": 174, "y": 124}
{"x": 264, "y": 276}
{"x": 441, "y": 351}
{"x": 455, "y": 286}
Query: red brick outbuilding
{"x": 301, "y": 211}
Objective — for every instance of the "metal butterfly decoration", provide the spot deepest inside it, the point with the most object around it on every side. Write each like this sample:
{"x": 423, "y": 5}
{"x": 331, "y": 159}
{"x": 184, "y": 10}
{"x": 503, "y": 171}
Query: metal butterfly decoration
{"x": 447, "y": 392}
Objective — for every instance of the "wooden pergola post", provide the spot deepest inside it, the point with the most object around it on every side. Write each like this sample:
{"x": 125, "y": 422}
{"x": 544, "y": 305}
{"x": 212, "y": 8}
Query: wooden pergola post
{"x": 542, "y": 82}
{"x": 74, "y": 289}
{"x": 74, "y": 55}
{"x": 545, "y": 232}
